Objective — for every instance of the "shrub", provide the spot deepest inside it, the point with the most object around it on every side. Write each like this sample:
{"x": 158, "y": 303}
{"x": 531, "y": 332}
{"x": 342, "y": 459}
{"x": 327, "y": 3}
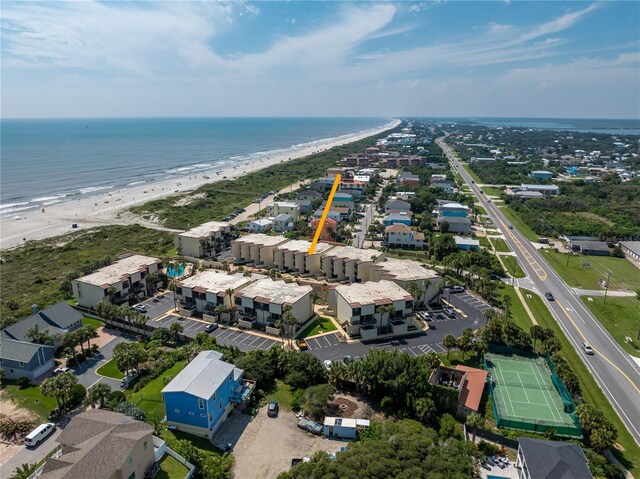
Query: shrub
{"x": 22, "y": 382}
{"x": 117, "y": 396}
{"x": 488, "y": 449}
{"x": 77, "y": 395}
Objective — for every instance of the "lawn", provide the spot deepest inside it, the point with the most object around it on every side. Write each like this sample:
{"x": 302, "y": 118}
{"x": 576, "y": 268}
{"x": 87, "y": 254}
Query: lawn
{"x": 513, "y": 266}
{"x": 500, "y": 245}
{"x": 149, "y": 398}
{"x": 110, "y": 369}
{"x": 517, "y": 223}
{"x": 518, "y": 313}
{"x": 624, "y": 275}
{"x": 484, "y": 242}
{"x": 317, "y": 326}
{"x": 480, "y": 210}
{"x": 92, "y": 322}
{"x": 491, "y": 191}
{"x": 28, "y": 398}
{"x": 591, "y": 392}
{"x": 170, "y": 468}
{"x": 620, "y": 317}
{"x": 282, "y": 394}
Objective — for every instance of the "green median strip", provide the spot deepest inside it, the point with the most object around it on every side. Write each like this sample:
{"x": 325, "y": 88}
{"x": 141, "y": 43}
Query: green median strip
{"x": 619, "y": 316}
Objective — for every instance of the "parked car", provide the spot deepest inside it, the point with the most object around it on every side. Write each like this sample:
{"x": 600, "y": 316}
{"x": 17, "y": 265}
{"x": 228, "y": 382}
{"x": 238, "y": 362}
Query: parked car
{"x": 586, "y": 347}
{"x": 450, "y": 312}
{"x": 210, "y": 328}
{"x": 494, "y": 277}
{"x": 272, "y": 409}
{"x": 61, "y": 370}
{"x": 302, "y": 344}
{"x": 39, "y": 434}
{"x": 311, "y": 426}
{"x": 140, "y": 307}
{"x": 549, "y": 296}
{"x": 510, "y": 226}
{"x": 327, "y": 364}
{"x": 456, "y": 289}
{"x": 348, "y": 359}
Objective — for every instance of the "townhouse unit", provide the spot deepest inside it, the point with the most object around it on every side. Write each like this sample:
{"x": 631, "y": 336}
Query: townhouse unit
{"x": 56, "y": 321}
{"x": 262, "y": 304}
{"x": 402, "y": 236}
{"x": 336, "y": 214}
{"x": 542, "y": 459}
{"x": 118, "y": 282}
{"x": 284, "y": 207}
{"x": 550, "y": 190}
{"x": 256, "y": 248}
{"x": 202, "y": 395}
{"x": 352, "y": 187}
{"x": 24, "y": 359}
{"x": 405, "y": 272}
{"x": 397, "y": 218}
{"x": 408, "y": 179}
{"x": 346, "y": 263}
{"x": 368, "y": 309}
{"x": 328, "y": 228}
{"x": 454, "y": 224}
{"x": 261, "y": 225}
{"x": 103, "y": 444}
{"x": 282, "y": 223}
{"x": 397, "y": 204}
{"x": 293, "y": 256}
{"x": 202, "y": 293}
{"x": 205, "y": 240}
{"x": 343, "y": 200}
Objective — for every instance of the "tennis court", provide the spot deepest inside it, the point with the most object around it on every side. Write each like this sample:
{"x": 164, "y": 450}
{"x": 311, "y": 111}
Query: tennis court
{"x": 528, "y": 395}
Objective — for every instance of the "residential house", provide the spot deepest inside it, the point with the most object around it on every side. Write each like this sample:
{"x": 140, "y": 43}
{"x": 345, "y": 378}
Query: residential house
{"x": 204, "y": 240}
{"x": 282, "y": 223}
{"x": 343, "y": 212}
{"x": 261, "y": 225}
{"x": 550, "y": 190}
{"x": 404, "y": 195}
{"x": 363, "y": 178}
{"x": 480, "y": 159}
{"x": 542, "y": 459}
{"x": 467, "y": 244}
{"x": 304, "y": 205}
{"x": 454, "y": 224}
{"x": 334, "y": 214}
{"x": 346, "y": 263}
{"x": 344, "y": 428}
{"x": 405, "y": 272}
{"x": 102, "y": 444}
{"x": 408, "y": 179}
{"x": 127, "y": 277}
{"x": 328, "y": 228}
{"x": 541, "y": 174}
{"x": 446, "y": 186}
{"x": 294, "y": 256}
{"x": 438, "y": 177}
{"x": 343, "y": 200}
{"x": 468, "y": 381}
{"x": 310, "y": 195}
{"x": 449, "y": 210}
{"x": 397, "y": 218}
{"x": 264, "y": 302}
{"x": 352, "y": 187}
{"x": 202, "y": 293}
{"x": 256, "y": 248}
{"x": 333, "y": 172}
{"x": 396, "y": 204}
{"x": 22, "y": 358}
{"x": 401, "y": 236}
{"x": 362, "y": 308}
{"x": 202, "y": 395}
{"x": 56, "y": 320}
{"x": 284, "y": 207}
{"x": 592, "y": 248}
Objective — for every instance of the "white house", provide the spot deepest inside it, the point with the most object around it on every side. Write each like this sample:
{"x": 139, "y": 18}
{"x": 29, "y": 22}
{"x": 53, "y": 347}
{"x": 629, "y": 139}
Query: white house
{"x": 344, "y": 428}
{"x": 404, "y": 272}
{"x": 284, "y": 207}
{"x": 261, "y": 225}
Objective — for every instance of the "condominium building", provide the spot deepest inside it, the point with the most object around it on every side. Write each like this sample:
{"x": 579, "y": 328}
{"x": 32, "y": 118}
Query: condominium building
{"x": 263, "y": 303}
{"x": 284, "y": 208}
{"x": 346, "y": 263}
{"x": 256, "y": 248}
{"x": 204, "y": 240}
{"x": 405, "y": 272}
{"x": 117, "y": 282}
{"x": 294, "y": 256}
{"x": 402, "y": 236}
{"x": 372, "y": 308}
{"x": 204, "y": 292}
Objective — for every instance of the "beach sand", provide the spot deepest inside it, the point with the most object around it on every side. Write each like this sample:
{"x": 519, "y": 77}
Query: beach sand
{"x": 109, "y": 208}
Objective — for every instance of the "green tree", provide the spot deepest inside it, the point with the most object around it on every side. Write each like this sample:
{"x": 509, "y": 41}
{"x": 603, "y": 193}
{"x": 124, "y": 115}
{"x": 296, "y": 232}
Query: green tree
{"x": 316, "y": 398}
{"x": 175, "y": 330}
{"x": 24, "y": 471}
{"x": 466, "y": 341}
{"x": 537, "y": 333}
{"x": 475, "y": 421}
{"x": 449, "y": 342}
{"x": 38, "y": 336}
{"x": 99, "y": 394}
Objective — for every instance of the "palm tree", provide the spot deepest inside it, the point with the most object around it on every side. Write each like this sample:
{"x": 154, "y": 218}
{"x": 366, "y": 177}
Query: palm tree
{"x": 175, "y": 330}
{"x": 489, "y": 314}
{"x": 49, "y": 388}
{"x": 229, "y": 292}
{"x": 536, "y": 332}
{"x": 24, "y": 471}
{"x": 289, "y": 320}
{"x": 99, "y": 394}
{"x": 475, "y": 421}
{"x": 91, "y": 332}
{"x": 415, "y": 291}
{"x": 449, "y": 342}
{"x": 506, "y": 305}
{"x": 219, "y": 310}
{"x": 36, "y": 335}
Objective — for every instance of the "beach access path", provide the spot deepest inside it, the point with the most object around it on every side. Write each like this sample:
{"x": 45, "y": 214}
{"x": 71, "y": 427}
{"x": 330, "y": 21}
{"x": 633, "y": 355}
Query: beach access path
{"x": 110, "y": 208}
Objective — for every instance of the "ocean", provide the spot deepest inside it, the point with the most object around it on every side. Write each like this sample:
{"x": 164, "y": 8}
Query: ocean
{"x": 49, "y": 161}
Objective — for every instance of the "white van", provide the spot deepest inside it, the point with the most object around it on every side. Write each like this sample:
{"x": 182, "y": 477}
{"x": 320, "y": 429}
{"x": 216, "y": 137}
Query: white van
{"x": 39, "y": 434}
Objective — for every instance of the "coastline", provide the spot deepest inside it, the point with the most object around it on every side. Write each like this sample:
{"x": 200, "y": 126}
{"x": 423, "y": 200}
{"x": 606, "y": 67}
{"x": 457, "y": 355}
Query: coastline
{"x": 107, "y": 208}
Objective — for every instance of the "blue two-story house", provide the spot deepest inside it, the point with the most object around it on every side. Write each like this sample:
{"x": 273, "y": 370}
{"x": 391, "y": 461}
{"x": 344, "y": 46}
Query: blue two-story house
{"x": 22, "y": 358}
{"x": 397, "y": 218}
{"x": 202, "y": 395}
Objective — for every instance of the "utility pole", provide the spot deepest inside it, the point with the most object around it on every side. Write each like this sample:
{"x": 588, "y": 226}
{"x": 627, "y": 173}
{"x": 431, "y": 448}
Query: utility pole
{"x": 568, "y": 254}
{"x": 606, "y": 288}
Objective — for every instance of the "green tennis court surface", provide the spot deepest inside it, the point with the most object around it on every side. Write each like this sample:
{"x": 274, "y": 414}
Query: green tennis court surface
{"x": 528, "y": 395}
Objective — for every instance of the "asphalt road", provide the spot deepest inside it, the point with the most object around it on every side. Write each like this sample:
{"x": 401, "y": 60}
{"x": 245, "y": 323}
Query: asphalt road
{"x": 614, "y": 371}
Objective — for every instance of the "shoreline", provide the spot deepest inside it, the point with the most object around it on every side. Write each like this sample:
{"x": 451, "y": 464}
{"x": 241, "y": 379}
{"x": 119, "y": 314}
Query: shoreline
{"x": 107, "y": 208}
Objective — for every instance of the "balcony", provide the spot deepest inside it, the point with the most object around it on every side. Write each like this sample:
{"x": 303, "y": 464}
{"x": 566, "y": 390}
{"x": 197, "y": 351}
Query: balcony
{"x": 247, "y": 320}
{"x": 368, "y": 332}
{"x": 399, "y": 325}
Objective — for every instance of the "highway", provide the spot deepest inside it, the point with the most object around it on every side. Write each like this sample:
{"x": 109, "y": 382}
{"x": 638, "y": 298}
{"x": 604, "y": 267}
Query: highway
{"x": 615, "y": 372}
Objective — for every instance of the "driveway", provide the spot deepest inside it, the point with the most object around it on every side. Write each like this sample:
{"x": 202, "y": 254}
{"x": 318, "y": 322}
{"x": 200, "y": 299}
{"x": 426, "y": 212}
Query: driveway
{"x": 267, "y": 445}
{"x": 30, "y": 456}
{"x": 86, "y": 372}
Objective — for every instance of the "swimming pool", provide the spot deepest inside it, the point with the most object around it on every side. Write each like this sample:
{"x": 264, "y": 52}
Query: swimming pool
{"x": 175, "y": 272}
{"x": 497, "y": 477}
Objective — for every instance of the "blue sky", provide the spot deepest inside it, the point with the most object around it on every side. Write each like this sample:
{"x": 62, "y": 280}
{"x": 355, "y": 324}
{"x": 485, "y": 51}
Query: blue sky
{"x": 446, "y": 58}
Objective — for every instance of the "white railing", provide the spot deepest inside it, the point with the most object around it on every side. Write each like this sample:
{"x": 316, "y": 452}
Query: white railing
{"x": 161, "y": 448}
{"x": 38, "y": 472}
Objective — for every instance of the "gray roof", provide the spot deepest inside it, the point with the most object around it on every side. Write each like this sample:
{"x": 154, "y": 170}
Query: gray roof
{"x": 96, "y": 443}
{"x": 202, "y": 376}
{"x": 529, "y": 194}
{"x": 23, "y": 351}
{"x": 56, "y": 319}
{"x": 554, "y": 459}
{"x": 632, "y": 246}
{"x": 453, "y": 219}
{"x": 591, "y": 245}
{"x": 282, "y": 217}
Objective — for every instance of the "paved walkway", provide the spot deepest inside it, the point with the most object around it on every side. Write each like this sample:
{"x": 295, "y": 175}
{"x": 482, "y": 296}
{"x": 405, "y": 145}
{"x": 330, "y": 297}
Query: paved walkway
{"x": 526, "y": 306}
{"x": 600, "y": 292}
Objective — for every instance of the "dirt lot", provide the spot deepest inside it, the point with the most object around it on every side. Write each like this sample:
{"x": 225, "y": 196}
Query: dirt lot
{"x": 267, "y": 446}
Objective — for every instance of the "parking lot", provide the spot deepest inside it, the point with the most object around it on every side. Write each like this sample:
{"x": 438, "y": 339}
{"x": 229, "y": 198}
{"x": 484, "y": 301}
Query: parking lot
{"x": 327, "y": 341}
{"x": 244, "y": 341}
{"x": 159, "y": 305}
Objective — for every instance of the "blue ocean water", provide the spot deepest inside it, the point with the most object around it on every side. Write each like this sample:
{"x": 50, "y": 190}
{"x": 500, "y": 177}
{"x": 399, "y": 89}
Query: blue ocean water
{"x": 48, "y": 161}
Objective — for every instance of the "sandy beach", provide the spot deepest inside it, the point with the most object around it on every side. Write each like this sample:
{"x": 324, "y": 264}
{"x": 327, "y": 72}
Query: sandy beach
{"x": 109, "y": 208}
